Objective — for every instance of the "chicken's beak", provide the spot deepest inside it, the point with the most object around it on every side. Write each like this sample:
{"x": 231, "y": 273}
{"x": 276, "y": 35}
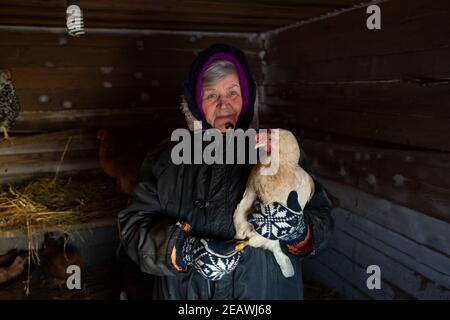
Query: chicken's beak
{"x": 260, "y": 144}
{"x": 261, "y": 140}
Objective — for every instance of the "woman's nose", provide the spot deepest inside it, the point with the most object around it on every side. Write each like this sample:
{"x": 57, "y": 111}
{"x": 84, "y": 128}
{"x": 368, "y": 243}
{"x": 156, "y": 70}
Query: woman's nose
{"x": 222, "y": 102}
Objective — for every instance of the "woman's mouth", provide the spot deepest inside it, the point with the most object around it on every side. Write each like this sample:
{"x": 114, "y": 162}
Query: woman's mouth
{"x": 229, "y": 125}
{"x": 225, "y": 122}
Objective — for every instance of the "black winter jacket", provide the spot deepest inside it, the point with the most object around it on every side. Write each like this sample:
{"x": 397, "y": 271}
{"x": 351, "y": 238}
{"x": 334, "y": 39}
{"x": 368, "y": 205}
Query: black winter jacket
{"x": 206, "y": 196}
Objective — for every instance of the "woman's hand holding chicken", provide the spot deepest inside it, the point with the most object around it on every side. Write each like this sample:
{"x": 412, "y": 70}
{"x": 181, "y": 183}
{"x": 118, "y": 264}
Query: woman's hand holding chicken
{"x": 276, "y": 221}
{"x": 212, "y": 259}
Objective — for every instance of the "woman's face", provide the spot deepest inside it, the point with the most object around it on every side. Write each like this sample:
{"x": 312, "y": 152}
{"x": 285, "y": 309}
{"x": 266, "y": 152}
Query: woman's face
{"x": 222, "y": 102}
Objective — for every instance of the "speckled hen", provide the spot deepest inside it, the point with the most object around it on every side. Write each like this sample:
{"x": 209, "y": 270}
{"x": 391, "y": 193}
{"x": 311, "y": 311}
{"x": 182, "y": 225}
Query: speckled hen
{"x": 9, "y": 103}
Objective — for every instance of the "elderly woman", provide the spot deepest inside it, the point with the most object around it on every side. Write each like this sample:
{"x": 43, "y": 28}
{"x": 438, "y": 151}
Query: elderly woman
{"x": 179, "y": 224}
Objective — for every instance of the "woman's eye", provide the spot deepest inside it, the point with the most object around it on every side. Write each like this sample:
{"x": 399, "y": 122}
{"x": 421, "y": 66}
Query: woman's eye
{"x": 211, "y": 96}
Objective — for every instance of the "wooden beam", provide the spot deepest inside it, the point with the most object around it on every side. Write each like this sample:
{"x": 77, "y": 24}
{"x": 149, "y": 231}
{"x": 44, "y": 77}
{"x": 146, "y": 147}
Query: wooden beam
{"x": 96, "y": 118}
{"x": 27, "y": 157}
{"x": 411, "y": 224}
{"x": 409, "y": 130}
{"x": 32, "y": 156}
{"x": 415, "y": 179}
{"x": 194, "y": 15}
{"x": 405, "y": 113}
{"x": 117, "y": 39}
{"x": 99, "y": 97}
{"x": 423, "y": 260}
{"x": 399, "y": 98}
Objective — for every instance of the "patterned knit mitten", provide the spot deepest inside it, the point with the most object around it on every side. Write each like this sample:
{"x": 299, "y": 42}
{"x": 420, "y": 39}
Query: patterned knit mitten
{"x": 212, "y": 259}
{"x": 276, "y": 221}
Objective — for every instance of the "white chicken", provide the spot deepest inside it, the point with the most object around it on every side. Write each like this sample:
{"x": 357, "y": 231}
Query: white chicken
{"x": 289, "y": 188}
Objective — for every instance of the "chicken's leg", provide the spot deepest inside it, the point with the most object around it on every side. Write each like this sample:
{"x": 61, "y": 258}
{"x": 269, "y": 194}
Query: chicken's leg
{"x": 5, "y": 132}
{"x": 6, "y": 138}
{"x": 258, "y": 241}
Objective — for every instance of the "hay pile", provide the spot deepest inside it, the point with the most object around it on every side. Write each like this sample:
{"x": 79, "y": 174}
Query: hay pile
{"x": 59, "y": 202}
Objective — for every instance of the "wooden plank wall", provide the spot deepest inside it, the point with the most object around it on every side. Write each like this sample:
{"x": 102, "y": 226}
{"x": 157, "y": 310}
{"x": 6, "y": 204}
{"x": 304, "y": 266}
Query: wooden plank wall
{"x": 385, "y": 85}
{"x": 372, "y": 112}
{"x": 104, "y": 79}
{"x": 121, "y": 80}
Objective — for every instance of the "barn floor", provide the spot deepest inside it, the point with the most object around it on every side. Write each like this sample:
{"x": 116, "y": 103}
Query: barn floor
{"x": 99, "y": 285}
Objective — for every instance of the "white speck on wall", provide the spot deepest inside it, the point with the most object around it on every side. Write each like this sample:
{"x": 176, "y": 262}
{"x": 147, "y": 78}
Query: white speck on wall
{"x": 253, "y": 38}
{"x": 366, "y": 156}
{"x": 106, "y": 70}
{"x": 67, "y": 104}
{"x": 371, "y": 179}
{"x": 263, "y": 40}
{"x": 343, "y": 172}
{"x": 357, "y": 156}
{"x": 139, "y": 75}
{"x": 107, "y": 84}
{"x": 49, "y": 64}
{"x": 330, "y": 152}
{"x": 261, "y": 54}
{"x": 379, "y": 156}
{"x": 145, "y": 96}
{"x": 43, "y": 98}
{"x": 249, "y": 53}
{"x": 192, "y": 39}
{"x": 399, "y": 180}
{"x": 155, "y": 83}
{"x": 62, "y": 41}
{"x": 409, "y": 158}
